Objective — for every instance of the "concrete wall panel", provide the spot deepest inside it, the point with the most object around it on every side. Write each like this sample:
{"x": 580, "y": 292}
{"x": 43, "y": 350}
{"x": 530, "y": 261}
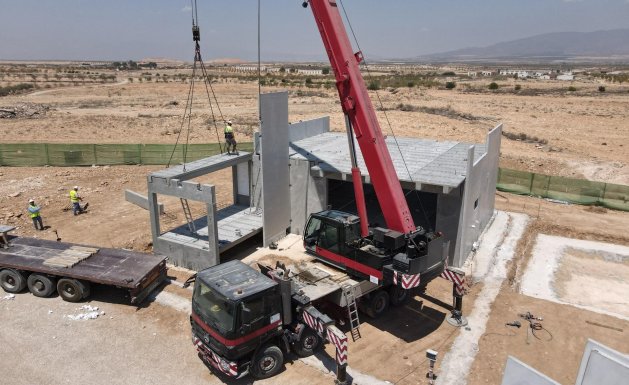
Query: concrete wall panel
{"x": 274, "y": 159}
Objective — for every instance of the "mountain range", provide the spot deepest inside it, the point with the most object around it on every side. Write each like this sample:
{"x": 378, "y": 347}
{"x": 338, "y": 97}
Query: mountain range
{"x": 548, "y": 46}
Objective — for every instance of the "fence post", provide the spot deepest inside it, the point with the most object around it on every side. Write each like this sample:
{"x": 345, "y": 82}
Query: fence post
{"x": 602, "y": 196}
{"x": 531, "y": 183}
{"x": 47, "y": 154}
{"x": 140, "y": 153}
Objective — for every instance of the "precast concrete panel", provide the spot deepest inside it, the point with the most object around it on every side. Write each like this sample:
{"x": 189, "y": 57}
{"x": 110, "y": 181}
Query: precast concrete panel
{"x": 601, "y": 365}
{"x": 519, "y": 373}
{"x": 274, "y": 160}
{"x": 308, "y": 194}
{"x": 447, "y": 221}
{"x": 305, "y": 129}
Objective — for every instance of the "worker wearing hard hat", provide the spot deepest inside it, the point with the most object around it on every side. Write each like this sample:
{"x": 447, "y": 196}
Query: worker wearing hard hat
{"x": 75, "y": 199}
{"x": 230, "y": 139}
{"x": 35, "y": 214}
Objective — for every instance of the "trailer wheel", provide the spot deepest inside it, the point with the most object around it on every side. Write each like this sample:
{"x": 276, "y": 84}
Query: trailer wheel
{"x": 307, "y": 344}
{"x": 12, "y": 281}
{"x": 267, "y": 363}
{"x": 399, "y": 296}
{"x": 72, "y": 290}
{"x": 378, "y": 304}
{"x": 40, "y": 285}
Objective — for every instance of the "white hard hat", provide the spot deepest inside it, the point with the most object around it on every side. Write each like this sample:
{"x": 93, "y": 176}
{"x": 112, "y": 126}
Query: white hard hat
{"x": 229, "y": 122}
{"x": 31, "y": 201}
{"x": 76, "y": 187}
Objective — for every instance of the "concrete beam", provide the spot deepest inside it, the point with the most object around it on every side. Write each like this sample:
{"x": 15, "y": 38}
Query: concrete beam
{"x": 140, "y": 200}
{"x": 182, "y": 189}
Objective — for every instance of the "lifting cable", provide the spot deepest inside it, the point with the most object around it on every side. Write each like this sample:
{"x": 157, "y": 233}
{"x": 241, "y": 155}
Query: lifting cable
{"x": 384, "y": 111}
{"x": 196, "y": 37}
{"x": 252, "y": 198}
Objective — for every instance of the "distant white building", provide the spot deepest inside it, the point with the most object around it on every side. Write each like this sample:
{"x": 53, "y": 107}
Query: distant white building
{"x": 521, "y": 73}
{"x": 488, "y": 73}
{"x": 565, "y": 76}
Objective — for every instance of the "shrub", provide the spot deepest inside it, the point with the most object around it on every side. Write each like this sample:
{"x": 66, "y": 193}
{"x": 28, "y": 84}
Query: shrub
{"x": 572, "y": 88}
{"x": 449, "y": 73}
{"x": 601, "y": 88}
{"x": 450, "y": 85}
{"x": 518, "y": 87}
{"x": 373, "y": 86}
{"x": 410, "y": 84}
{"x": 493, "y": 86}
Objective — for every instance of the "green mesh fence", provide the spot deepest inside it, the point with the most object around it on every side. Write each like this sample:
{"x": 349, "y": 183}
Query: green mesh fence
{"x": 54, "y": 154}
{"x": 579, "y": 191}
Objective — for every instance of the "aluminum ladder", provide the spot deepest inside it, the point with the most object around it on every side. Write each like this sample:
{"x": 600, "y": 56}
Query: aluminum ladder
{"x": 188, "y": 214}
{"x": 352, "y": 311}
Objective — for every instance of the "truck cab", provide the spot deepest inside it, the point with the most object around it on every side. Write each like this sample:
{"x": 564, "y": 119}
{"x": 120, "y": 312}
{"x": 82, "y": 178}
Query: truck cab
{"x": 235, "y": 309}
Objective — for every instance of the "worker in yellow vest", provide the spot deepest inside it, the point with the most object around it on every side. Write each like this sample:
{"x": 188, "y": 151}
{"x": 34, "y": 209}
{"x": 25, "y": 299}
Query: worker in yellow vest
{"x": 35, "y": 214}
{"x": 230, "y": 139}
{"x": 75, "y": 199}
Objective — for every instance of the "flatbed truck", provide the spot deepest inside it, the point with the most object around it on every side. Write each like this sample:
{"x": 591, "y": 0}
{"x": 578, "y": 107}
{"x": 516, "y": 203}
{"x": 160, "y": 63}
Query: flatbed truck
{"x": 45, "y": 266}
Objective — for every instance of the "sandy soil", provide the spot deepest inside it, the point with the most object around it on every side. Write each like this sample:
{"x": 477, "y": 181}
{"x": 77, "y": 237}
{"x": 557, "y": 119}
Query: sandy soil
{"x": 587, "y": 131}
{"x": 575, "y": 126}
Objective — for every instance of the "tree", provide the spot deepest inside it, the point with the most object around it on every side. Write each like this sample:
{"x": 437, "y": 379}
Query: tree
{"x": 450, "y": 85}
{"x": 325, "y": 71}
{"x": 373, "y": 86}
{"x": 493, "y": 86}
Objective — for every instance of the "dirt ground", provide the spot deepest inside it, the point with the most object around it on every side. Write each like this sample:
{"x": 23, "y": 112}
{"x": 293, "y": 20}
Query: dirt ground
{"x": 587, "y": 134}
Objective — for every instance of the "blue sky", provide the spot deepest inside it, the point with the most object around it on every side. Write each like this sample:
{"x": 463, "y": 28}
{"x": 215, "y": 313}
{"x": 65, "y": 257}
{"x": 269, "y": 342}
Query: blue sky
{"x": 136, "y": 29}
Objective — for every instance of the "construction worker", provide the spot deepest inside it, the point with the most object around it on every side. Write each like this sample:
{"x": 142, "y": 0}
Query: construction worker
{"x": 33, "y": 210}
{"x": 75, "y": 198}
{"x": 230, "y": 139}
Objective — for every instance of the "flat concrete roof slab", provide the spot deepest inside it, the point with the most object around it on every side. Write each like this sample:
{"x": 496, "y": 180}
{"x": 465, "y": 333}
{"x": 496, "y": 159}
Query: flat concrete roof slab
{"x": 428, "y": 161}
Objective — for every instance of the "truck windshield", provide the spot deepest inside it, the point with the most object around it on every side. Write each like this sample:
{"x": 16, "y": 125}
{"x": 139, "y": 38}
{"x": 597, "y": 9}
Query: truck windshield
{"x": 213, "y": 308}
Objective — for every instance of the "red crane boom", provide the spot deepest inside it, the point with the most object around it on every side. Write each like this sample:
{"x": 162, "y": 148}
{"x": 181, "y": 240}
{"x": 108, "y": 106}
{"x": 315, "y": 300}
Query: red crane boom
{"x": 362, "y": 119}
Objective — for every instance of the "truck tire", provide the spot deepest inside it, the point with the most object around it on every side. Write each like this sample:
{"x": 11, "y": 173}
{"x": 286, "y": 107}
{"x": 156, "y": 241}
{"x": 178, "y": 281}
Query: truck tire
{"x": 398, "y": 295}
{"x": 377, "y": 304}
{"x": 307, "y": 344}
{"x": 72, "y": 290}
{"x": 267, "y": 362}
{"x": 40, "y": 285}
{"x": 12, "y": 281}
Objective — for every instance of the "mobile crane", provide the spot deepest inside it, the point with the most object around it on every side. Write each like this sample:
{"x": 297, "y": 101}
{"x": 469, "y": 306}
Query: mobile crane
{"x": 244, "y": 320}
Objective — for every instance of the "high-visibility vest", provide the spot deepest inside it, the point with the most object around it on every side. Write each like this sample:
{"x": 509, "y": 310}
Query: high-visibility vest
{"x": 74, "y": 196}
{"x": 229, "y": 129}
{"x": 34, "y": 210}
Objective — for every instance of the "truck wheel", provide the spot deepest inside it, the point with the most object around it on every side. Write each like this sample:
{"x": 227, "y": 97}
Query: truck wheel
{"x": 40, "y": 285}
{"x": 378, "y": 304}
{"x": 398, "y": 295}
{"x": 307, "y": 344}
{"x": 267, "y": 363}
{"x": 12, "y": 281}
{"x": 72, "y": 290}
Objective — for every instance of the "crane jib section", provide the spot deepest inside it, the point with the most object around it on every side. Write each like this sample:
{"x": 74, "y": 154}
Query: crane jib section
{"x": 360, "y": 111}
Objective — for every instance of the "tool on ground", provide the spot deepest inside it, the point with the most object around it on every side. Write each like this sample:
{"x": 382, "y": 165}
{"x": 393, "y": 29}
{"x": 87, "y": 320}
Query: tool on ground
{"x": 517, "y": 324}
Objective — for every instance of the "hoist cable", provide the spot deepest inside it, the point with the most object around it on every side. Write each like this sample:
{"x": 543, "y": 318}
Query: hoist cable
{"x": 385, "y": 115}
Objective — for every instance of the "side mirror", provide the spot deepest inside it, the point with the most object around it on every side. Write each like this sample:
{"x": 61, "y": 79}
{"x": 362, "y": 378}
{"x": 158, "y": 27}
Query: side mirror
{"x": 310, "y": 241}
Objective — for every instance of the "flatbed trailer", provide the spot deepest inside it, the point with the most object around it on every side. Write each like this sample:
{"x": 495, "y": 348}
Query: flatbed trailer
{"x": 46, "y": 266}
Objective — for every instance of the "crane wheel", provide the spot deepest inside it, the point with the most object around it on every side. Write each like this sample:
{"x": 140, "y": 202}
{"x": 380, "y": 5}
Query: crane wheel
{"x": 307, "y": 344}
{"x": 267, "y": 362}
{"x": 72, "y": 290}
{"x": 398, "y": 295}
{"x": 12, "y": 281}
{"x": 40, "y": 285}
{"x": 378, "y": 303}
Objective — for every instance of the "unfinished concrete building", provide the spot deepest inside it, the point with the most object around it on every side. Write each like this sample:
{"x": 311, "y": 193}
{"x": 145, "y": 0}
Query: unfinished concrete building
{"x": 300, "y": 168}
